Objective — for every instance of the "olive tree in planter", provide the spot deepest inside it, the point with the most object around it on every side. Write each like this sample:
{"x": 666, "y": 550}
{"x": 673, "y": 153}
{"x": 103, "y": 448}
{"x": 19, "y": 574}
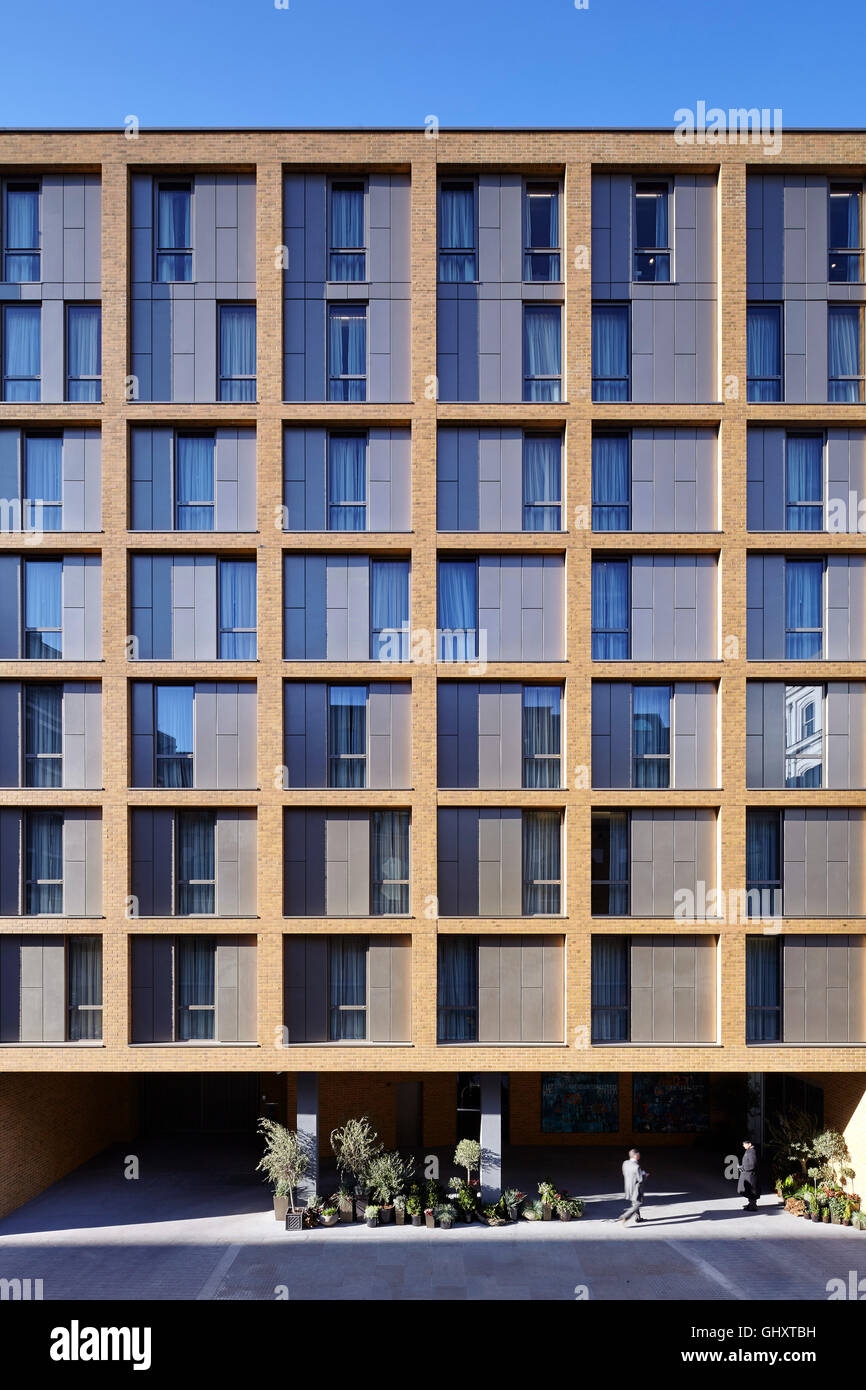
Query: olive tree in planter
{"x": 468, "y": 1155}
{"x": 284, "y": 1162}
{"x": 355, "y": 1145}
{"x": 387, "y": 1177}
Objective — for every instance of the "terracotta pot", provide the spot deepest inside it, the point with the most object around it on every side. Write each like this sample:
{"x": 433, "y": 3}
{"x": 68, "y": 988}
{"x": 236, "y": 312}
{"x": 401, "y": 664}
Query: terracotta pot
{"x": 281, "y": 1206}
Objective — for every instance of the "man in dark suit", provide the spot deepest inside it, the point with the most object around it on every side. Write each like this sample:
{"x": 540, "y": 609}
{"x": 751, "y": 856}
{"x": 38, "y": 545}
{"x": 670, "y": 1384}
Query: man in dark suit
{"x": 749, "y": 1184}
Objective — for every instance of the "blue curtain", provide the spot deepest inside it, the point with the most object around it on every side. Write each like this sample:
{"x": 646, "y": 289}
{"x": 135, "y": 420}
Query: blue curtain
{"x": 389, "y": 610}
{"x": 347, "y": 735}
{"x": 542, "y": 234}
{"x": 237, "y": 352}
{"x": 196, "y": 832}
{"x": 542, "y": 482}
{"x": 44, "y": 862}
{"x": 458, "y": 610}
{"x": 763, "y": 989}
{"x": 457, "y": 989}
{"x": 174, "y": 735}
{"x": 195, "y": 960}
{"x": 457, "y": 233}
{"x": 389, "y": 831}
{"x": 83, "y": 352}
{"x": 347, "y": 353}
{"x": 764, "y": 352}
{"x": 845, "y": 233}
{"x": 43, "y": 735}
{"x": 542, "y": 352}
{"x": 84, "y": 987}
{"x": 194, "y": 482}
{"x": 764, "y": 861}
{"x": 347, "y": 988}
{"x": 541, "y": 735}
{"x": 803, "y": 609}
{"x": 237, "y": 610}
{"x": 347, "y": 233}
{"x": 611, "y": 482}
{"x": 610, "y": 989}
{"x": 610, "y": 615}
{"x": 804, "y": 482}
{"x": 22, "y": 350}
{"x": 22, "y": 235}
{"x": 651, "y": 735}
{"x": 174, "y": 218}
{"x": 43, "y": 482}
{"x": 542, "y": 873}
{"x": 610, "y": 868}
{"x": 347, "y": 482}
{"x": 610, "y": 364}
{"x": 43, "y": 613}
{"x": 843, "y": 350}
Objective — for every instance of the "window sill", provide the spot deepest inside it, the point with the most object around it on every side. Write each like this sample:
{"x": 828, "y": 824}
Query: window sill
{"x": 83, "y": 1042}
{"x": 338, "y": 1043}
{"x": 194, "y": 1042}
{"x": 459, "y": 1042}
{"x": 645, "y": 1045}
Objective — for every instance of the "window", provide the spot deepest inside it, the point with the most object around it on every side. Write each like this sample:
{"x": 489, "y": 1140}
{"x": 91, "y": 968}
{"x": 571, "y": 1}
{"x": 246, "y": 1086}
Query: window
{"x": 347, "y": 989}
{"x": 609, "y": 891}
{"x": 347, "y": 736}
{"x": 194, "y": 962}
{"x": 458, "y": 610}
{"x": 457, "y": 250}
{"x": 237, "y": 368}
{"x": 43, "y": 735}
{"x": 846, "y": 251}
{"x": 764, "y": 352}
{"x": 542, "y": 352}
{"x": 652, "y": 256}
{"x": 764, "y": 863}
{"x": 347, "y": 482}
{"x": 83, "y": 352}
{"x": 389, "y": 610}
{"x": 804, "y": 608}
{"x": 610, "y": 610}
{"x": 389, "y": 866}
{"x": 541, "y": 735}
{"x": 237, "y": 610}
{"x": 542, "y": 873}
{"x": 457, "y": 989}
{"x": 83, "y": 988}
{"x": 542, "y": 482}
{"x": 22, "y": 352}
{"x": 763, "y": 989}
{"x": 611, "y": 482}
{"x": 844, "y": 352}
{"x": 541, "y": 210}
{"x": 804, "y": 482}
{"x": 43, "y": 610}
{"x": 194, "y": 482}
{"x": 21, "y": 241}
{"x": 347, "y": 352}
{"x": 610, "y": 352}
{"x": 43, "y": 886}
{"x": 43, "y": 482}
{"x": 610, "y": 989}
{"x": 173, "y": 231}
{"x": 347, "y": 259}
{"x": 651, "y": 735}
{"x": 174, "y": 736}
{"x": 196, "y": 881}
{"x": 804, "y": 735}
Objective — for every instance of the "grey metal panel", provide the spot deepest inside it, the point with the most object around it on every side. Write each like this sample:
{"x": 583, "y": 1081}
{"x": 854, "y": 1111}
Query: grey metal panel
{"x": 10, "y": 607}
{"x": 457, "y": 852}
{"x": 226, "y": 983}
{"x": 152, "y": 861}
{"x": 82, "y": 866}
{"x": 10, "y": 475}
{"x": 11, "y": 740}
{"x": 347, "y": 863}
{"x": 247, "y": 734}
{"x": 226, "y": 856}
{"x": 620, "y": 726}
{"x": 142, "y": 733}
{"x": 304, "y": 863}
{"x": 600, "y": 698}
{"x": 511, "y": 736}
{"x": 489, "y": 985}
{"x": 152, "y": 971}
{"x": 401, "y": 735}
{"x": 10, "y": 861}
{"x": 380, "y": 952}
{"x": 73, "y": 735}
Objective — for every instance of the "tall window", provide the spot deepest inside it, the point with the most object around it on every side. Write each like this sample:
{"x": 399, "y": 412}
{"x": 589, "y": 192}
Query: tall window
{"x": 22, "y": 352}
{"x": 237, "y": 610}
{"x": 194, "y": 482}
{"x": 844, "y": 352}
{"x": 389, "y": 610}
{"x": 542, "y": 352}
{"x": 174, "y": 736}
{"x": 611, "y": 483}
{"x": 237, "y": 342}
{"x": 458, "y": 610}
{"x": 347, "y": 736}
{"x": 457, "y": 989}
{"x": 651, "y": 735}
{"x": 611, "y": 378}
{"x": 83, "y": 352}
{"x": 347, "y": 989}
{"x": 195, "y": 1002}
{"x": 804, "y": 735}
{"x": 43, "y": 735}
{"x": 541, "y": 735}
{"x": 609, "y": 891}
{"x": 764, "y": 863}
{"x": 347, "y": 352}
{"x": 389, "y": 863}
{"x": 652, "y": 254}
{"x": 804, "y": 482}
{"x": 43, "y": 886}
{"x": 347, "y": 259}
{"x": 763, "y": 989}
{"x": 610, "y": 989}
{"x": 845, "y": 236}
{"x": 541, "y": 256}
{"x": 542, "y": 482}
{"x": 347, "y": 482}
{"x": 43, "y": 482}
{"x": 43, "y": 610}
{"x": 196, "y": 873}
{"x": 610, "y": 610}
{"x": 174, "y": 231}
{"x": 764, "y": 352}
{"x": 542, "y": 871}
{"x": 21, "y": 260}
{"x": 83, "y": 988}
{"x": 804, "y": 609}
{"x": 457, "y": 249}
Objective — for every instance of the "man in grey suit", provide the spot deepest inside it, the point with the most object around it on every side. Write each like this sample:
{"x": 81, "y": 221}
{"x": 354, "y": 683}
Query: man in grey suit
{"x": 633, "y": 1178}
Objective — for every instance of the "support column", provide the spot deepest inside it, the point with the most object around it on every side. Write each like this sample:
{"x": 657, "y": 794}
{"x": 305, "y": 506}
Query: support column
{"x": 491, "y": 1136}
{"x": 308, "y": 1131}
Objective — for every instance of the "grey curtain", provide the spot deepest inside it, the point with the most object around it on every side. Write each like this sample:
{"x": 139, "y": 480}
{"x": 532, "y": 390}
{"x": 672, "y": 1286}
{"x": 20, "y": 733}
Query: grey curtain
{"x": 541, "y": 735}
{"x": 84, "y": 987}
{"x": 389, "y": 877}
{"x": 347, "y": 988}
{"x": 457, "y": 989}
{"x": 542, "y": 873}
{"x": 195, "y": 960}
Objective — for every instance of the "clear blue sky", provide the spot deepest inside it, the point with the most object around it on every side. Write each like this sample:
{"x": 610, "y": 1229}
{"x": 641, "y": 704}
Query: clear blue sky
{"x": 394, "y": 62}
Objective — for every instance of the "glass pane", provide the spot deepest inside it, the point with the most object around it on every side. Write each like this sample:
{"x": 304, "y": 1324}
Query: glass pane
{"x": 44, "y": 862}
{"x": 347, "y": 735}
{"x": 84, "y": 987}
{"x": 389, "y": 610}
{"x": 610, "y": 365}
{"x": 541, "y": 735}
{"x": 611, "y": 482}
{"x": 651, "y": 735}
{"x": 651, "y": 218}
{"x": 609, "y": 836}
{"x": 389, "y": 834}
{"x": 844, "y": 350}
{"x": 457, "y": 217}
{"x": 347, "y": 483}
{"x": 347, "y": 988}
{"x": 542, "y": 467}
{"x": 803, "y": 608}
{"x": 22, "y": 351}
{"x": 457, "y": 989}
{"x": 804, "y": 735}
{"x": 541, "y": 862}
{"x": 174, "y": 720}
{"x": 195, "y": 859}
{"x": 194, "y": 482}
{"x": 195, "y": 958}
{"x": 347, "y": 351}
{"x": 610, "y": 989}
{"x": 43, "y": 584}
{"x": 542, "y": 356}
{"x": 610, "y": 610}
{"x": 43, "y": 735}
{"x": 764, "y": 350}
{"x": 458, "y": 610}
{"x": 237, "y": 604}
{"x": 845, "y": 219}
{"x": 83, "y": 341}
{"x": 237, "y": 351}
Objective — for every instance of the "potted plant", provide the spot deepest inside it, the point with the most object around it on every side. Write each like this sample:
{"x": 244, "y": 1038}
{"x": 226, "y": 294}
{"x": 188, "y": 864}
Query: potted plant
{"x": 492, "y": 1214}
{"x": 846, "y": 1214}
{"x": 355, "y": 1144}
{"x": 445, "y": 1216}
{"x": 429, "y": 1218}
{"x": 468, "y": 1155}
{"x": 311, "y": 1211}
{"x": 400, "y": 1209}
{"x": 569, "y": 1208}
{"x": 413, "y": 1208}
{"x": 532, "y": 1210}
{"x": 371, "y": 1214}
{"x": 549, "y": 1195}
{"x": 284, "y": 1162}
{"x": 387, "y": 1176}
{"x": 511, "y": 1200}
{"x": 465, "y": 1198}
{"x": 345, "y": 1199}
{"x": 329, "y": 1215}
